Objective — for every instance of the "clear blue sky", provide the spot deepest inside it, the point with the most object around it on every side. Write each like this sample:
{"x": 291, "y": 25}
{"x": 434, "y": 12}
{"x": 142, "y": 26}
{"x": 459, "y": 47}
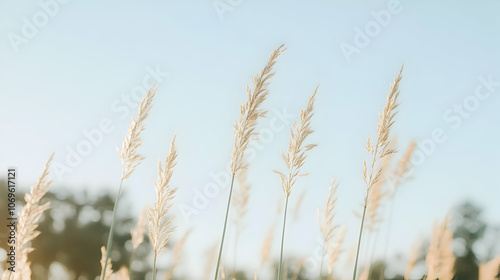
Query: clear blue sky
{"x": 78, "y": 69}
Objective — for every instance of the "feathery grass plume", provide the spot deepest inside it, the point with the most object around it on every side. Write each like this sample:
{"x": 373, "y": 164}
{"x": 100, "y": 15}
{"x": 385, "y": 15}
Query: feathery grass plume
{"x": 159, "y": 224}
{"x": 379, "y": 151}
{"x": 412, "y": 260}
{"x": 128, "y": 154}
{"x": 267, "y": 245}
{"x": 490, "y": 270}
{"x": 325, "y": 221}
{"x": 28, "y": 222}
{"x": 244, "y": 128}
{"x": 334, "y": 250}
{"x": 129, "y": 157}
{"x": 440, "y": 259}
{"x": 295, "y": 158}
{"x": 177, "y": 255}
{"x": 122, "y": 274}
{"x": 104, "y": 267}
{"x": 137, "y": 233}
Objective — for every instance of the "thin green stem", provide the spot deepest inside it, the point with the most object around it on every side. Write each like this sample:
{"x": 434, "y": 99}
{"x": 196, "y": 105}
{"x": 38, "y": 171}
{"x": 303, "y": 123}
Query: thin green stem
{"x": 111, "y": 231}
{"x": 154, "y": 267}
{"x": 225, "y": 225}
{"x": 359, "y": 243}
{"x": 283, "y": 238}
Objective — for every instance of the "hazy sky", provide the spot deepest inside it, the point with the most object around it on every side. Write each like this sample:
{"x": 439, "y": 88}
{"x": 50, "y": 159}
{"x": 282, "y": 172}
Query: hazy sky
{"x": 67, "y": 70}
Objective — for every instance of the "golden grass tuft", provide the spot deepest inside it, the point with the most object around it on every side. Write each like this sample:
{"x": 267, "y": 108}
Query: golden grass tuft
{"x": 128, "y": 154}
{"x": 378, "y": 151}
{"x": 137, "y": 233}
{"x": 105, "y": 265}
{"x": 28, "y": 222}
{"x": 440, "y": 259}
{"x": 412, "y": 260}
{"x": 159, "y": 225}
{"x": 296, "y": 155}
{"x": 325, "y": 221}
{"x": 249, "y": 112}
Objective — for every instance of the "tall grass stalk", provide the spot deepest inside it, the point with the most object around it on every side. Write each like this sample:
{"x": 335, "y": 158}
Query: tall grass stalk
{"x": 244, "y": 129}
{"x": 283, "y": 239}
{"x": 295, "y": 158}
{"x": 130, "y": 159}
{"x": 378, "y": 151}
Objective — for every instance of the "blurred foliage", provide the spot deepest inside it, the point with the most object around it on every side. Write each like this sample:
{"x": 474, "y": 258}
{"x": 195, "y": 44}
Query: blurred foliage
{"x": 77, "y": 225}
{"x": 73, "y": 231}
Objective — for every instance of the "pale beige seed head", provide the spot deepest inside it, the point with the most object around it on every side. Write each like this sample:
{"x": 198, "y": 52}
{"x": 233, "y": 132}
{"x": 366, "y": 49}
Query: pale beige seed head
{"x": 440, "y": 259}
{"x": 244, "y": 128}
{"x": 28, "y": 222}
{"x": 137, "y": 233}
{"x": 412, "y": 260}
{"x": 159, "y": 225}
{"x": 109, "y": 269}
{"x": 122, "y": 274}
{"x": 382, "y": 147}
{"x": 128, "y": 155}
{"x": 325, "y": 217}
{"x": 297, "y": 150}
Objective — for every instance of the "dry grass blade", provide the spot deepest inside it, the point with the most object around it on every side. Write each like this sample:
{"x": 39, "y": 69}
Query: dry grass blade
{"x": 296, "y": 154}
{"x": 412, "y": 260}
{"x": 128, "y": 154}
{"x": 250, "y": 112}
{"x": 177, "y": 255}
{"x": 104, "y": 266}
{"x": 440, "y": 259}
{"x": 159, "y": 225}
{"x": 28, "y": 222}
{"x": 137, "y": 233}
